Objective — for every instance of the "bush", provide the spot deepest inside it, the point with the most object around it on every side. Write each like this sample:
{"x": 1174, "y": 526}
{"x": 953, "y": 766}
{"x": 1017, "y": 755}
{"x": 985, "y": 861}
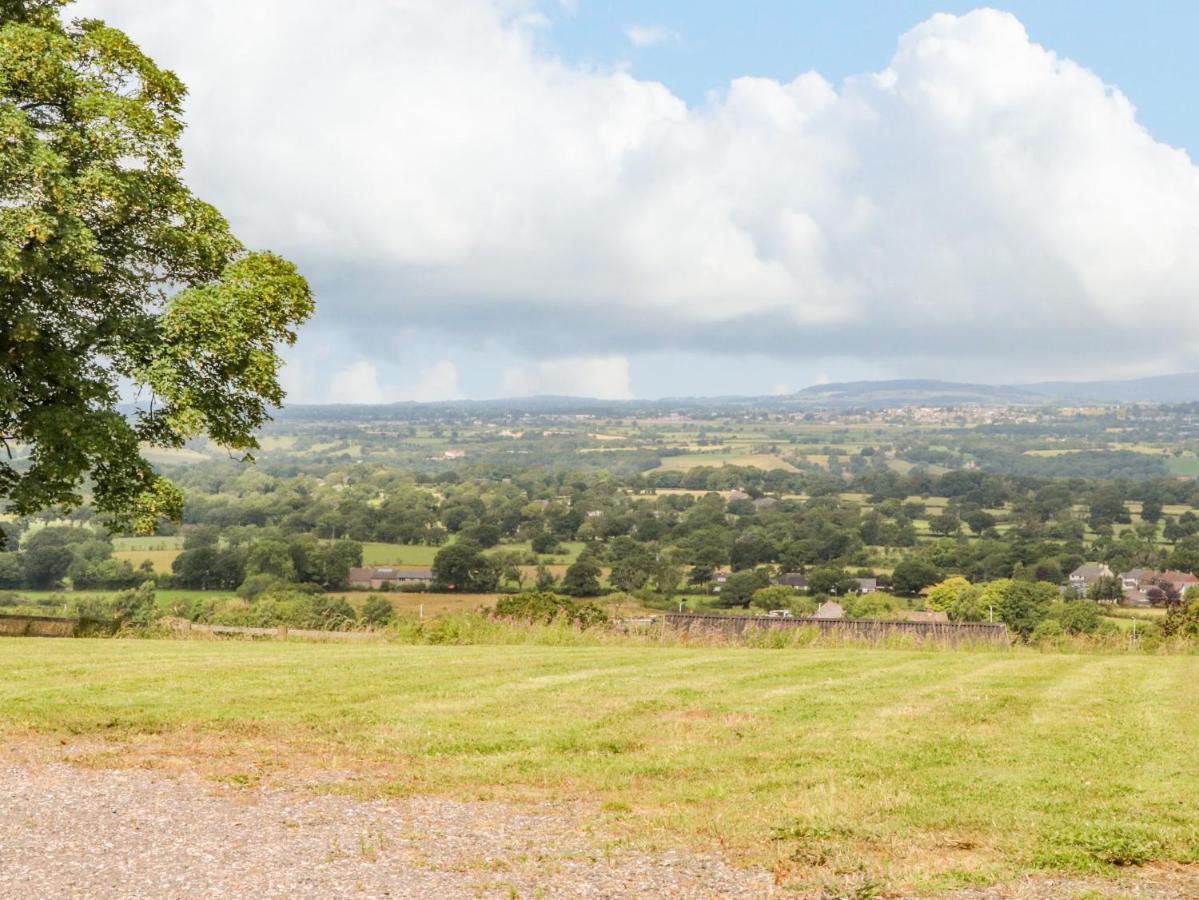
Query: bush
{"x": 542, "y": 606}
{"x": 255, "y": 585}
{"x": 377, "y": 610}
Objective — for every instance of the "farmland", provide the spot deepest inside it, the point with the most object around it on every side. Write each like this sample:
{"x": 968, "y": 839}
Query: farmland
{"x": 922, "y": 770}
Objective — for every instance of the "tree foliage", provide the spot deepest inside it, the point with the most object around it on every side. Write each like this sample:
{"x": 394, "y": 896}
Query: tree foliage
{"x": 110, "y": 269}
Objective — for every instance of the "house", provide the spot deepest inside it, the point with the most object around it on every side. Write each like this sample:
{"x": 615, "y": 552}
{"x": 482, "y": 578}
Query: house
{"x": 1135, "y": 579}
{"x": 1143, "y": 586}
{"x": 867, "y": 585}
{"x": 737, "y": 495}
{"x": 794, "y": 580}
{"x": 829, "y": 609}
{"x": 1180, "y": 580}
{"x": 719, "y": 577}
{"x": 764, "y": 502}
{"x": 374, "y": 577}
{"x": 1087, "y": 574}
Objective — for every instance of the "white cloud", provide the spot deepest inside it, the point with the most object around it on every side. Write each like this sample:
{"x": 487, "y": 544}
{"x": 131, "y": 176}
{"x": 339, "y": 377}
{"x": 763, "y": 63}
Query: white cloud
{"x": 437, "y": 382}
{"x": 602, "y": 377}
{"x": 648, "y": 35}
{"x": 356, "y": 383}
{"x": 978, "y": 199}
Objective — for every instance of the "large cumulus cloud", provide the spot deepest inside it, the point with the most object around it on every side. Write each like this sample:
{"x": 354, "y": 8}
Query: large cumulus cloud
{"x": 432, "y": 166}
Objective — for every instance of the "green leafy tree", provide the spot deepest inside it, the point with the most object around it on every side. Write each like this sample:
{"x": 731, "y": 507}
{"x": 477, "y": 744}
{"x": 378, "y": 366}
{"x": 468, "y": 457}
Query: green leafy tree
{"x": 913, "y": 574}
{"x": 739, "y": 587}
{"x": 1106, "y": 588}
{"x": 110, "y": 269}
{"x": 582, "y": 578}
{"x": 461, "y": 566}
{"x": 377, "y": 610}
{"x": 544, "y": 579}
{"x": 12, "y": 570}
{"x": 945, "y": 595}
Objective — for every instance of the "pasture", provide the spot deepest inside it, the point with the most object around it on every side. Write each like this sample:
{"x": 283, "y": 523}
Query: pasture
{"x": 919, "y": 770}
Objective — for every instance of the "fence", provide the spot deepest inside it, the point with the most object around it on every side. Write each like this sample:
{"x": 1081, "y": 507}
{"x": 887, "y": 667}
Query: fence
{"x": 37, "y": 626}
{"x": 952, "y": 633}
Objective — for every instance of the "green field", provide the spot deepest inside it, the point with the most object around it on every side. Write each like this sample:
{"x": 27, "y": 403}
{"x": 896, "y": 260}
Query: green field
{"x": 925, "y": 770}
{"x": 377, "y": 553}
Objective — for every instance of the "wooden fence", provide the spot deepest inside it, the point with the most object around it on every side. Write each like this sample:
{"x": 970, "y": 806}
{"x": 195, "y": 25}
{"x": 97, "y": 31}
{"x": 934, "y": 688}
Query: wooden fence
{"x": 37, "y": 626}
{"x": 951, "y": 633}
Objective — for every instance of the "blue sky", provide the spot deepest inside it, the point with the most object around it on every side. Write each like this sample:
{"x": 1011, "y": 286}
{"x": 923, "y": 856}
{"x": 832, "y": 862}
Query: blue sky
{"x": 609, "y": 198}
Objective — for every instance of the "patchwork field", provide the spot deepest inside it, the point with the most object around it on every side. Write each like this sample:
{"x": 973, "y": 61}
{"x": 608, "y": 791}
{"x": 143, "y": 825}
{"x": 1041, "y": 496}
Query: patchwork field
{"x": 914, "y": 770}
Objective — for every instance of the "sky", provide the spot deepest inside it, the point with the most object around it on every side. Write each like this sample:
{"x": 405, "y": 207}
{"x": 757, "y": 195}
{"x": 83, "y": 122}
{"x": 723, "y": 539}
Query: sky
{"x": 499, "y": 198}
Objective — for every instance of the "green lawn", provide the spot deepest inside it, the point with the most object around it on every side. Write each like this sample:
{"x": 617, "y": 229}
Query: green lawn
{"x": 924, "y": 770}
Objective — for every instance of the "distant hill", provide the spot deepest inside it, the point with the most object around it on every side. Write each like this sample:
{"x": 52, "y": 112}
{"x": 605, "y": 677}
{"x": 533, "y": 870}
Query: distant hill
{"x": 1183, "y": 388}
{"x": 918, "y": 392}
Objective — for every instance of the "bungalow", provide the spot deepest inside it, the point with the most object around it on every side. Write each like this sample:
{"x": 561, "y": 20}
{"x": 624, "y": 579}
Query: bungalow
{"x": 794, "y": 580}
{"x": 867, "y": 585}
{"x": 374, "y": 577}
{"x": 1087, "y": 574}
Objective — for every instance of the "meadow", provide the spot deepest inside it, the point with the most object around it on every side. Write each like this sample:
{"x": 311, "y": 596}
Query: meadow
{"x": 924, "y": 770}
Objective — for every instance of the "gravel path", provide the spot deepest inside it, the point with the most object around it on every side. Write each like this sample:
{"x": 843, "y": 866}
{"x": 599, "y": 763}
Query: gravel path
{"x": 71, "y": 832}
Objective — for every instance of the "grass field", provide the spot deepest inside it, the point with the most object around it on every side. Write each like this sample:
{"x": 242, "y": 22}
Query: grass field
{"x": 160, "y": 559}
{"x": 377, "y": 553}
{"x": 754, "y": 460}
{"x": 924, "y": 770}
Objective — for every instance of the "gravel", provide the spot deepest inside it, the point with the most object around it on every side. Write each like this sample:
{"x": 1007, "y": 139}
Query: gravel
{"x": 114, "y": 833}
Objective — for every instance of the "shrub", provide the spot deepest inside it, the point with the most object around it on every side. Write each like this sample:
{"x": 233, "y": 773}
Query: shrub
{"x": 377, "y": 610}
{"x": 542, "y": 606}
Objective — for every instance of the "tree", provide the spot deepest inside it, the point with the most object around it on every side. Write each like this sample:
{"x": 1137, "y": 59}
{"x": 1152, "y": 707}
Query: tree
{"x": 945, "y": 595}
{"x": 1151, "y": 510}
{"x": 111, "y": 269}
{"x": 545, "y": 580}
{"x": 12, "y": 570}
{"x": 912, "y": 575}
{"x": 461, "y": 566}
{"x": 377, "y": 610}
{"x": 1185, "y": 556}
{"x": 1106, "y": 588}
{"x": 1021, "y": 605}
{"x": 582, "y": 578}
{"x": 831, "y": 581}
{"x": 779, "y": 596}
{"x": 739, "y": 587}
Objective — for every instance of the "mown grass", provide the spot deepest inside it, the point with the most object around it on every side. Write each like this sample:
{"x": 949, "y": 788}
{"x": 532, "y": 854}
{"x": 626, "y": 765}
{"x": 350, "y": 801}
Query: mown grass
{"x": 929, "y": 768}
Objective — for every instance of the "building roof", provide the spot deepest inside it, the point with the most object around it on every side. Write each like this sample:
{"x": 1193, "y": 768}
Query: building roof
{"x": 389, "y": 573}
{"x": 921, "y": 615}
{"x": 867, "y": 584}
{"x": 829, "y": 609}
{"x": 1138, "y": 574}
{"x": 793, "y": 579}
{"x": 1175, "y": 577}
{"x": 1091, "y": 570}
